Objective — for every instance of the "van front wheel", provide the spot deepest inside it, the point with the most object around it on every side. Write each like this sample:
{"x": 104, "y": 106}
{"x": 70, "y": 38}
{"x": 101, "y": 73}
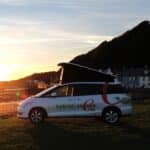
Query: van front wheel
{"x": 111, "y": 115}
{"x": 37, "y": 116}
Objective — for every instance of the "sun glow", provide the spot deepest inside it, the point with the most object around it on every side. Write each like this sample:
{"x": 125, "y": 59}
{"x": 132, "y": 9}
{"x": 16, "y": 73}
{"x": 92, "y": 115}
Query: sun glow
{"x": 5, "y": 71}
{"x": 10, "y": 72}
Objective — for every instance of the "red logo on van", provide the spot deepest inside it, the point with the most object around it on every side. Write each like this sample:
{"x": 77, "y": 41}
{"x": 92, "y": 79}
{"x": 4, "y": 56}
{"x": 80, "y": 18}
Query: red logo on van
{"x": 105, "y": 97}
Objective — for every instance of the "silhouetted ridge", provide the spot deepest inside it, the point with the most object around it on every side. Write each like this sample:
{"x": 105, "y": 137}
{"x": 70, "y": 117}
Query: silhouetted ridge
{"x": 131, "y": 49}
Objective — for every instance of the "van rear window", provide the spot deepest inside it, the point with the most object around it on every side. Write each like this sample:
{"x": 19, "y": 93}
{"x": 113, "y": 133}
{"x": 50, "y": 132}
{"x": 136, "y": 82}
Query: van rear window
{"x": 116, "y": 89}
{"x": 96, "y": 89}
{"x": 87, "y": 89}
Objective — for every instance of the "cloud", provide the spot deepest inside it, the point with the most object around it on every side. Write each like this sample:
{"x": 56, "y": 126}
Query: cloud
{"x": 61, "y": 3}
{"x": 12, "y": 2}
{"x": 15, "y": 30}
{"x": 36, "y": 42}
{"x": 37, "y": 33}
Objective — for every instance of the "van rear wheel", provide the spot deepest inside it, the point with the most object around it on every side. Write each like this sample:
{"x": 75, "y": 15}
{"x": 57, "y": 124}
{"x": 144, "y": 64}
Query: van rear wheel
{"x": 111, "y": 115}
{"x": 37, "y": 115}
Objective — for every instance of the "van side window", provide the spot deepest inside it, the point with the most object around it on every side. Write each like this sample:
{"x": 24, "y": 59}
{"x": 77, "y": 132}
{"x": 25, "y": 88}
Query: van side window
{"x": 87, "y": 89}
{"x": 61, "y": 91}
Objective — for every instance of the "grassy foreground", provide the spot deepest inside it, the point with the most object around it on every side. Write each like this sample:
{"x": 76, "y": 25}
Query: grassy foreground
{"x": 78, "y": 133}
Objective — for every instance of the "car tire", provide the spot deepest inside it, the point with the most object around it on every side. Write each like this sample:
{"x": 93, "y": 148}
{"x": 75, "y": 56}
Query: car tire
{"x": 37, "y": 116}
{"x": 111, "y": 116}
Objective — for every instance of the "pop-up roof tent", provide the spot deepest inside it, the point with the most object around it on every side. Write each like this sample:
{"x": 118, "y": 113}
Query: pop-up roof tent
{"x": 71, "y": 72}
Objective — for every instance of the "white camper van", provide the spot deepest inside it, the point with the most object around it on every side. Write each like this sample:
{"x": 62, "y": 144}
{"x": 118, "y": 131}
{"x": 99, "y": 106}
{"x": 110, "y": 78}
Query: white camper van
{"x": 79, "y": 99}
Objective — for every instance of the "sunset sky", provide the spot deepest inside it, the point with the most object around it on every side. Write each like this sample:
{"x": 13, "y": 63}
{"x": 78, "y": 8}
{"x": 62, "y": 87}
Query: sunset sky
{"x": 35, "y": 35}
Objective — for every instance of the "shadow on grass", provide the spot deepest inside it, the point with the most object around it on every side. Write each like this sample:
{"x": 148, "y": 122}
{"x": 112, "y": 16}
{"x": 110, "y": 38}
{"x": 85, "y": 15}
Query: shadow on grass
{"x": 48, "y": 136}
{"x": 59, "y": 135}
{"x": 143, "y": 133}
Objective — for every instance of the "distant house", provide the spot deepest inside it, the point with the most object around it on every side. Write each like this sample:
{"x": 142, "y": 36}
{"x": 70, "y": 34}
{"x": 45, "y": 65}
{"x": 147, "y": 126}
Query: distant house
{"x": 135, "y": 77}
{"x": 42, "y": 85}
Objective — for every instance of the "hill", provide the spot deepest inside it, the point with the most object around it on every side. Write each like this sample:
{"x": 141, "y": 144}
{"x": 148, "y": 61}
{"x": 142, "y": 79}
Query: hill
{"x": 131, "y": 49}
{"x": 47, "y": 77}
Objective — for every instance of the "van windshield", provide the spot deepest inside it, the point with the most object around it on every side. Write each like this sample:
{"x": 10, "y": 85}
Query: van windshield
{"x": 45, "y": 91}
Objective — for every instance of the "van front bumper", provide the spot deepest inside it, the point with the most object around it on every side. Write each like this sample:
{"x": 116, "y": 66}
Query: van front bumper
{"x": 21, "y": 113}
{"x": 127, "y": 110}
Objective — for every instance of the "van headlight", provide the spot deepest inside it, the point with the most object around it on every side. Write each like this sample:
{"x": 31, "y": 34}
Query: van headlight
{"x": 125, "y": 100}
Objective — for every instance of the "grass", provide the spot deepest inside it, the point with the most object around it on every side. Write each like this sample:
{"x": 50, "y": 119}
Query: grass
{"x": 78, "y": 133}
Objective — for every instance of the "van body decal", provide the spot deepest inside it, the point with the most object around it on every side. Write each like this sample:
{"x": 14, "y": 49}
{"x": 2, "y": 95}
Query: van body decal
{"x": 105, "y": 97}
{"x": 89, "y": 105}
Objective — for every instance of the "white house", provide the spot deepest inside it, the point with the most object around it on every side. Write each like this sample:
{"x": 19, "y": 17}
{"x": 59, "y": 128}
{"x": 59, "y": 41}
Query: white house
{"x": 135, "y": 77}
